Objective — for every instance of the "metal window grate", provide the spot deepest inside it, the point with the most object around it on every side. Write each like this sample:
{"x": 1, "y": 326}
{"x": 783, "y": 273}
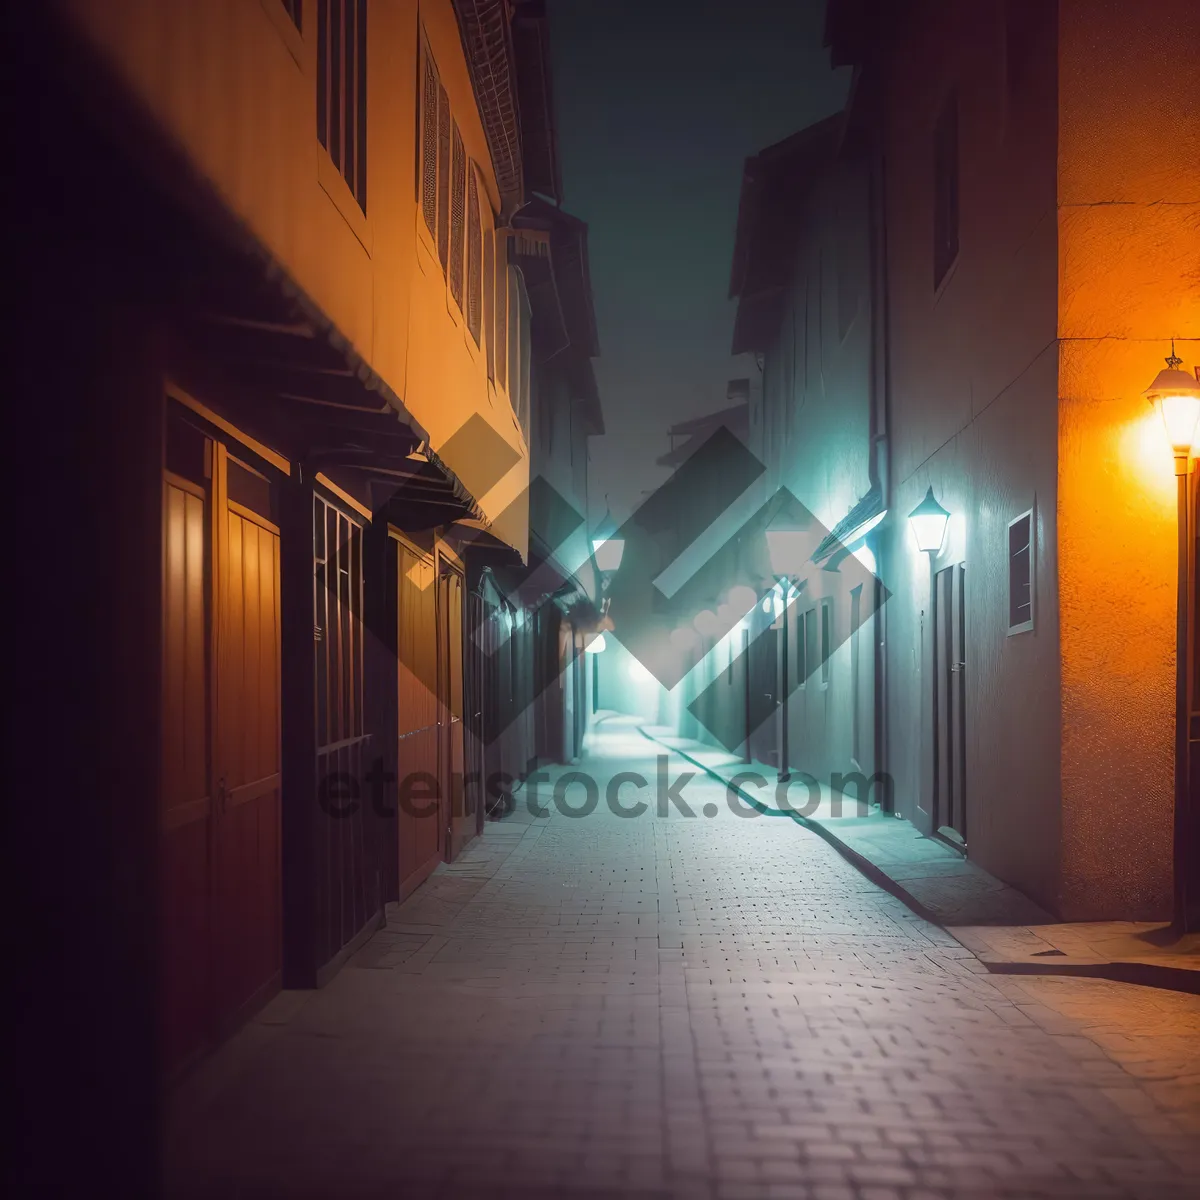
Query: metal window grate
{"x": 458, "y": 188}
{"x": 429, "y": 143}
{"x": 338, "y": 638}
{"x": 342, "y": 89}
{"x": 474, "y": 257}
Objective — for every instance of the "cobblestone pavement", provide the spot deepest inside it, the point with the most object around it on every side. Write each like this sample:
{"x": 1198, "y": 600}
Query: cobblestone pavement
{"x": 714, "y": 1007}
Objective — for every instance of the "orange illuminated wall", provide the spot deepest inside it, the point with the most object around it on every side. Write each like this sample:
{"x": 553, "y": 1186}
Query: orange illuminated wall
{"x": 1128, "y": 245}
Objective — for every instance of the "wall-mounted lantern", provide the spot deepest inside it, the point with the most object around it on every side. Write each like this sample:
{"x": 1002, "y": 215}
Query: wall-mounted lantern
{"x": 928, "y": 522}
{"x": 608, "y": 546}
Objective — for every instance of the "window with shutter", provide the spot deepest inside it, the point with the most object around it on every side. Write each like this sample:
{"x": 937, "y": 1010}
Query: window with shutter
{"x": 443, "y": 177}
{"x": 489, "y": 300}
{"x": 458, "y": 188}
{"x": 474, "y": 256}
{"x": 342, "y": 89}
{"x": 501, "y": 295}
{"x": 429, "y": 142}
{"x": 1020, "y": 573}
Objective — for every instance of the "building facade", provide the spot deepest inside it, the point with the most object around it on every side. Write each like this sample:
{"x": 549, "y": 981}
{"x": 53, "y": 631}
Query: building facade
{"x": 272, "y": 328}
{"x": 1025, "y": 196}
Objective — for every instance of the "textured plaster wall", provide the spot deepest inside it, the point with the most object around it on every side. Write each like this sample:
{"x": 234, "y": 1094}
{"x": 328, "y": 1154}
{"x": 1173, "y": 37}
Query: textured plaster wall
{"x": 1129, "y": 280}
{"x": 973, "y": 412}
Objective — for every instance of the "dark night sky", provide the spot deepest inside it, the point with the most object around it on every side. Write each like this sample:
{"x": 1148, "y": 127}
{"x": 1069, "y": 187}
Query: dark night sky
{"x": 658, "y": 104}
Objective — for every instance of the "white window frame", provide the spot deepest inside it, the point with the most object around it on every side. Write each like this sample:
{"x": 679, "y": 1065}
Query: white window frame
{"x": 1030, "y": 515}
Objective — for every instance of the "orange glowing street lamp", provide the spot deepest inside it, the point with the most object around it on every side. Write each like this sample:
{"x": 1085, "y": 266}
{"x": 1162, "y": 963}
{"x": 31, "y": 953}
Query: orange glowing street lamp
{"x": 1176, "y": 396}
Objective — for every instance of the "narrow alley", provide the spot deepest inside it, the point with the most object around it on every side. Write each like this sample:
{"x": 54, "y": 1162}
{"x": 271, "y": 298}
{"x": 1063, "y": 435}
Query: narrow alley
{"x": 710, "y": 1007}
{"x": 614, "y": 599}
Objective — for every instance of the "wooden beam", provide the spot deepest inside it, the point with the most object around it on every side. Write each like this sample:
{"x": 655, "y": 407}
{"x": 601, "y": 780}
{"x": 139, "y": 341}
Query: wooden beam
{"x": 264, "y": 452}
{"x": 344, "y": 496}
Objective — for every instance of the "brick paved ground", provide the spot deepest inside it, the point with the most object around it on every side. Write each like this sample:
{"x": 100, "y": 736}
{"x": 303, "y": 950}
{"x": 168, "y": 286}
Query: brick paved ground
{"x": 713, "y": 1007}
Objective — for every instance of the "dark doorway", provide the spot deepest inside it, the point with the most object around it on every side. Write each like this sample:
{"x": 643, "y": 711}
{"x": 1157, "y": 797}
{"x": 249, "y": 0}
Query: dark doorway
{"x": 949, "y": 704}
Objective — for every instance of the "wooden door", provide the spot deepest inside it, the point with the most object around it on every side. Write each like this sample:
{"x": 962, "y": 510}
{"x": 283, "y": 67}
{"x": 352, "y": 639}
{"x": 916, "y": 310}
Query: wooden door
{"x": 219, "y": 850}
{"x": 450, "y": 693}
{"x": 949, "y": 699}
{"x": 420, "y": 821}
{"x": 246, "y": 885}
{"x": 185, "y": 827}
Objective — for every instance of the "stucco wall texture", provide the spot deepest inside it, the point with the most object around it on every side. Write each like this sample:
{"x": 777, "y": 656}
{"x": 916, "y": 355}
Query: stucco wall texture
{"x": 1128, "y": 281}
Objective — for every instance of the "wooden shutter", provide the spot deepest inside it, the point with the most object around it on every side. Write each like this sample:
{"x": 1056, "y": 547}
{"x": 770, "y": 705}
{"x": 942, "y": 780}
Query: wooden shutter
{"x": 429, "y": 142}
{"x": 342, "y": 90}
{"x": 474, "y": 257}
{"x": 443, "y": 177}
{"x": 458, "y": 188}
{"x": 501, "y": 299}
{"x": 489, "y": 300}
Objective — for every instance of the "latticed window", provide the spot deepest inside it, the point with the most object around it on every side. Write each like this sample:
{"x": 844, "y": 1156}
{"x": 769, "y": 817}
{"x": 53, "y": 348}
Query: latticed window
{"x": 342, "y": 89}
{"x": 443, "y": 177}
{"x": 337, "y": 625}
{"x": 474, "y": 257}
{"x": 458, "y": 198}
{"x": 430, "y": 87}
{"x": 489, "y": 300}
{"x": 501, "y": 300}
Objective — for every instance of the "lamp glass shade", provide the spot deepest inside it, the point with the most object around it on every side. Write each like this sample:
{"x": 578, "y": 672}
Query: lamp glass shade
{"x": 608, "y": 552}
{"x": 596, "y": 645}
{"x": 928, "y": 522}
{"x": 1176, "y": 396}
{"x": 787, "y": 550}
